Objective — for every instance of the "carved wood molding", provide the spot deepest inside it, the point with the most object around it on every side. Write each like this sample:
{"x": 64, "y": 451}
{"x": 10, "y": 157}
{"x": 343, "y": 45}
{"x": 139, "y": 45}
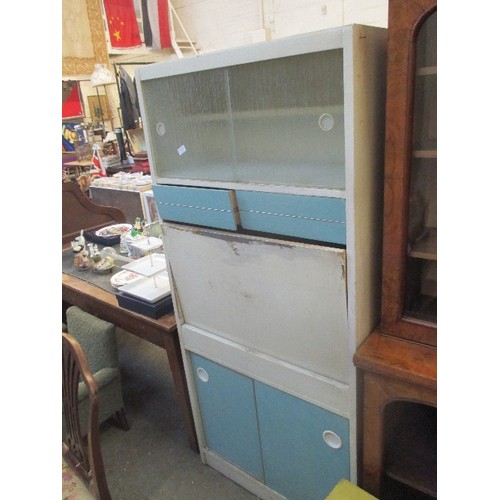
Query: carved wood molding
{"x": 97, "y": 50}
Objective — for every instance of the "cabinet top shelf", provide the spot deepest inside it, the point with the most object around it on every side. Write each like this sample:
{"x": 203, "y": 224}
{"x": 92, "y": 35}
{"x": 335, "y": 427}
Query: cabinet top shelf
{"x": 425, "y": 153}
{"x": 427, "y": 71}
{"x": 426, "y": 247}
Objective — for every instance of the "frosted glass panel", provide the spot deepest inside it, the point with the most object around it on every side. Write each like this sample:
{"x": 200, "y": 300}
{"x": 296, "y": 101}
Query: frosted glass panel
{"x": 278, "y": 121}
{"x": 189, "y": 125}
{"x": 288, "y": 120}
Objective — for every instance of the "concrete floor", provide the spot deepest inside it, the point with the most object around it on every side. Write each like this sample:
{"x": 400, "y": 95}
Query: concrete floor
{"x": 152, "y": 461}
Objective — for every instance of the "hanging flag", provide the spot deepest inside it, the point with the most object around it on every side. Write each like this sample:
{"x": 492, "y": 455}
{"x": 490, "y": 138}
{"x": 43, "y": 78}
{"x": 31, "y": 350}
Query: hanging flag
{"x": 71, "y": 104}
{"x": 122, "y": 24}
{"x": 155, "y": 21}
{"x": 146, "y": 27}
{"x": 99, "y": 169}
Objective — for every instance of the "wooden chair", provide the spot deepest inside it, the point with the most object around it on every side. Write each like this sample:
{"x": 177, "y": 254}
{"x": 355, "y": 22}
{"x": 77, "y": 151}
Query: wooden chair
{"x": 78, "y": 212}
{"x": 97, "y": 338}
{"x": 81, "y": 446}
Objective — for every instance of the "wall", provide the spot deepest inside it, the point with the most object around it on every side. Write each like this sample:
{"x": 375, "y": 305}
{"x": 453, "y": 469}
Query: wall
{"x": 219, "y": 24}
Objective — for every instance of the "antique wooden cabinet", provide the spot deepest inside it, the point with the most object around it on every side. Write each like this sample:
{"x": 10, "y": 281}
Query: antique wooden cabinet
{"x": 267, "y": 164}
{"x": 398, "y": 360}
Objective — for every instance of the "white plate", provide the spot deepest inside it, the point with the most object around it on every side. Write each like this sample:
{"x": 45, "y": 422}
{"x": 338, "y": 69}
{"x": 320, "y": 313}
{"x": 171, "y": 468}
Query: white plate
{"x": 148, "y": 265}
{"x": 147, "y": 243}
{"x": 114, "y": 230}
{"x": 124, "y": 277}
{"x": 149, "y": 289}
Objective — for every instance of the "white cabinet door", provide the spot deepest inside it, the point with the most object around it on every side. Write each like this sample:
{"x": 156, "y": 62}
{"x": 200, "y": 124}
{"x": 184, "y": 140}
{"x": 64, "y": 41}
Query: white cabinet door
{"x": 284, "y": 299}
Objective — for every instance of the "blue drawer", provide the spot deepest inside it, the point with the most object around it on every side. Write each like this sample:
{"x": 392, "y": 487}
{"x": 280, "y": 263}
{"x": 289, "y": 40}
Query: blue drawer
{"x": 200, "y": 206}
{"x": 307, "y": 217}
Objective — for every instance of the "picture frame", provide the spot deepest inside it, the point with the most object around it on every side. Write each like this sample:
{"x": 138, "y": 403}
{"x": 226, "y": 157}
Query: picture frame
{"x": 150, "y": 207}
{"x": 136, "y": 139}
{"x": 99, "y": 108}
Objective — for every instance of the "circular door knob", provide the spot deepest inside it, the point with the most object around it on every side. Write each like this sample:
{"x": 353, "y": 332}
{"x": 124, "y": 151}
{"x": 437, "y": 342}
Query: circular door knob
{"x": 160, "y": 128}
{"x": 202, "y": 374}
{"x": 332, "y": 439}
{"x": 326, "y": 122}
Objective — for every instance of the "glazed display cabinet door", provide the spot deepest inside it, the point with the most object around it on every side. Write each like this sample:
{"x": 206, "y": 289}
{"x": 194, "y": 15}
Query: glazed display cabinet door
{"x": 421, "y": 272}
{"x": 227, "y": 406}
{"x": 409, "y": 283}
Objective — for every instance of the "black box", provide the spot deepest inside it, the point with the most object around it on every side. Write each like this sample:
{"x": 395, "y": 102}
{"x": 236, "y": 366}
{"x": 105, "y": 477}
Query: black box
{"x": 154, "y": 310}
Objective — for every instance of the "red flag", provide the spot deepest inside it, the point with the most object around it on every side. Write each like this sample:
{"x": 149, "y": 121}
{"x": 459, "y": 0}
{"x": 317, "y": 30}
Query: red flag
{"x": 157, "y": 21}
{"x": 122, "y": 24}
{"x": 72, "y": 105}
{"x": 96, "y": 161}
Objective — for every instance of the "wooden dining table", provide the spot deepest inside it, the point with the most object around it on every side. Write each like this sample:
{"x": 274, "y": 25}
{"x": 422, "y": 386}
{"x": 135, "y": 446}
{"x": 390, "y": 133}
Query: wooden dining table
{"x": 161, "y": 332}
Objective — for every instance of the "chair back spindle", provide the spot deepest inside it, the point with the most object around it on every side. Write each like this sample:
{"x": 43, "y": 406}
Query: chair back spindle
{"x": 81, "y": 444}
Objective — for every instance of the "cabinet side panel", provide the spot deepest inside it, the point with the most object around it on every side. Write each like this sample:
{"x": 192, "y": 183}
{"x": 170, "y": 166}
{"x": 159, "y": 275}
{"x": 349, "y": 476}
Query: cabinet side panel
{"x": 365, "y": 62}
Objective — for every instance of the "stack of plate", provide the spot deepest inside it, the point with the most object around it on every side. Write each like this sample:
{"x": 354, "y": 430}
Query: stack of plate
{"x": 147, "y": 289}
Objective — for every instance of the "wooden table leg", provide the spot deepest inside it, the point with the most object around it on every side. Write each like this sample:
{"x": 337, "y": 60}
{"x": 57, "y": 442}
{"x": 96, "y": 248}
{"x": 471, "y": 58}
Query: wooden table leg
{"x": 174, "y": 354}
{"x": 373, "y": 419}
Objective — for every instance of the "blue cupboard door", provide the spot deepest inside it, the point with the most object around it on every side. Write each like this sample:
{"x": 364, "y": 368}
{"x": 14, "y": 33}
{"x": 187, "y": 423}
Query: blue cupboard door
{"x": 229, "y": 417}
{"x": 305, "y": 448}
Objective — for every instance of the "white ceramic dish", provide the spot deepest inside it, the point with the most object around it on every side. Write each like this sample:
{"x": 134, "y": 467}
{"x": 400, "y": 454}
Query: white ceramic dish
{"x": 114, "y": 230}
{"x": 150, "y": 289}
{"x": 148, "y": 265}
{"x": 123, "y": 278}
{"x": 147, "y": 244}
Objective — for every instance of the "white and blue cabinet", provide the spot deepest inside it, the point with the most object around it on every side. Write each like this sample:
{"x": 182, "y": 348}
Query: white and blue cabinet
{"x": 265, "y": 333}
{"x": 267, "y": 165}
{"x": 294, "y": 447}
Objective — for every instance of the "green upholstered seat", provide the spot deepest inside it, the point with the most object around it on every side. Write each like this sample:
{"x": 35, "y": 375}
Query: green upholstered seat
{"x": 98, "y": 341}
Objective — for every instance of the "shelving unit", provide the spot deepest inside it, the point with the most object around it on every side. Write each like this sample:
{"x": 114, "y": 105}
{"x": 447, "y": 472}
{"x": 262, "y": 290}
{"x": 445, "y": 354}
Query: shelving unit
{"x": 411, "y": 454}
{"x": 398, "y": 360}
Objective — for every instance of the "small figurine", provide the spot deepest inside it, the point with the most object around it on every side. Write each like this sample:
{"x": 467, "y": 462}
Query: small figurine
{"x": 137, "y": 229}
{"x": 104, "y": 265}
{"x": 78, "y": 244}
{"x": 82, "y": 260}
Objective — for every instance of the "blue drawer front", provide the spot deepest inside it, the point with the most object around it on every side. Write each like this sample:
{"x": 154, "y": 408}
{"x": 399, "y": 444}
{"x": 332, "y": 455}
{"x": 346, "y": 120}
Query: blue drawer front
{"x": 307, "y": 217}
{"x": 200, "y": 206}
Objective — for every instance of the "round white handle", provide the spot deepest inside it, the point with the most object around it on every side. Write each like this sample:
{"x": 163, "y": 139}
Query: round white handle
{"x": 160, "y": 128}
{"x": 202, "y": 374}
{"x": 326, "y": 122}
{"x": 332, "y": 439}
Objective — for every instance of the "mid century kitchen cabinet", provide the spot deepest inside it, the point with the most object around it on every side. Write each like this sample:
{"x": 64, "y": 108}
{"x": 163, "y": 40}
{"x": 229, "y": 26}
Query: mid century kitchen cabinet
{"x": 267, "y": 166}
{"x": 398, "y": 360}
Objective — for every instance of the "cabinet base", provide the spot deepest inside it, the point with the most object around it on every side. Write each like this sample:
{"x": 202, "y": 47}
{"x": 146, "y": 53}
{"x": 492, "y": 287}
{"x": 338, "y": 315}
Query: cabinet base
{"x": 238, "y": 476}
